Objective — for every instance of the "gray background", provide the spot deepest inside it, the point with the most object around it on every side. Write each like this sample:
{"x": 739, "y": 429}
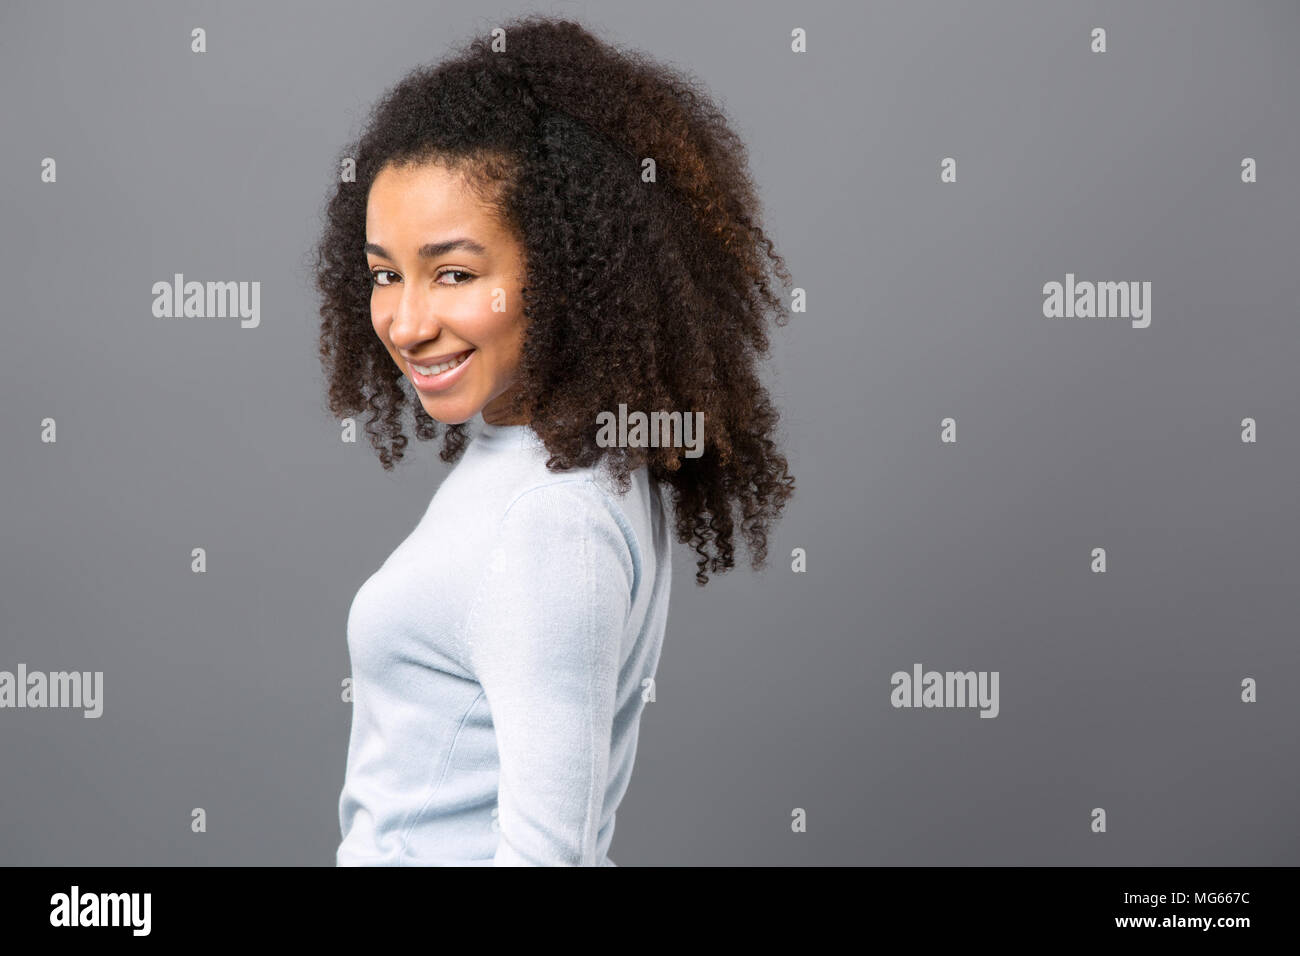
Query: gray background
{"x": 1118, "y": 690}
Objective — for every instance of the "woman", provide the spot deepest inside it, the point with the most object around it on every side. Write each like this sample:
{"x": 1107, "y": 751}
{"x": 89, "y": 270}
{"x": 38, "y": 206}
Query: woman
{"x": 543, "y": 232}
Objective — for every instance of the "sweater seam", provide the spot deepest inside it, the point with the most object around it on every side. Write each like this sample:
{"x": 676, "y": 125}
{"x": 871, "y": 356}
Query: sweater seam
{"x": 446, "y": 763}
{"x": 485, "y": 572}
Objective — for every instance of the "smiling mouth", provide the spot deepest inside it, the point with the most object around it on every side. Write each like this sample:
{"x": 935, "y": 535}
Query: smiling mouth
{"x": 447, "y": 366}
{"x": 430, "y": 380}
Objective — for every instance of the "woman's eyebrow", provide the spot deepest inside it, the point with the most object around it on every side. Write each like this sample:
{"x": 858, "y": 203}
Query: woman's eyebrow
{"x": 433, "y": 250}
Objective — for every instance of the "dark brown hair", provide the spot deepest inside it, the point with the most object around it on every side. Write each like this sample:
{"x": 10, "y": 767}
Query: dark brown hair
{"x": 654, "y": 294}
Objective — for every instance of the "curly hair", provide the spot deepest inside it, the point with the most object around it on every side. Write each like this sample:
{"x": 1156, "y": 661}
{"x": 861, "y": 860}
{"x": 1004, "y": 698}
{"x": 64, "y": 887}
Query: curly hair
{"x": 651, "y": 293}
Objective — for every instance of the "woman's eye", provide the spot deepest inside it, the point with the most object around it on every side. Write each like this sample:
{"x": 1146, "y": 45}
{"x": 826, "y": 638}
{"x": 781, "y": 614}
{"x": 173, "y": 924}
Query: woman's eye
{"x": 376, "y": 273}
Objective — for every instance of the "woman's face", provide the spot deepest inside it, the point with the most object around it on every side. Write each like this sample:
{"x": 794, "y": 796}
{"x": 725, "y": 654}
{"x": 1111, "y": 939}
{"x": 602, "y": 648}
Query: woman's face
{"x": 446, "y": 298}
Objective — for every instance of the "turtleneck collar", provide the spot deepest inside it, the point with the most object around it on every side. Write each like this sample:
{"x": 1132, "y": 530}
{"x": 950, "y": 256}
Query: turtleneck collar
{"x": 501, "y": 434}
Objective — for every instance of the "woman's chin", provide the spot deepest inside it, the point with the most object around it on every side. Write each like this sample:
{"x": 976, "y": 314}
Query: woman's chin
{"x": 445, "y": 415}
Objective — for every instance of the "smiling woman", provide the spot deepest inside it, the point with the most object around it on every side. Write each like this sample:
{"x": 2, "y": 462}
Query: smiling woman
{"x": 518, "y": 272}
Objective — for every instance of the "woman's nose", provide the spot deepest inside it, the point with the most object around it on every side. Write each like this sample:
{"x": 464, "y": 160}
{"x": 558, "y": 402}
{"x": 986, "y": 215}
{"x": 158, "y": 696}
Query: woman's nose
{"x": 413, "y": 319}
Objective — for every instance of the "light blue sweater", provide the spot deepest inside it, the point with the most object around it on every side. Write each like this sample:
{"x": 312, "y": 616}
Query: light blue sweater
{"x": 498, "y": 662}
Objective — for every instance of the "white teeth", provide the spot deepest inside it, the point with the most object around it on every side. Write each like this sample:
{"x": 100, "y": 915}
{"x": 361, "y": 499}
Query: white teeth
{"x": 438, "y": 369}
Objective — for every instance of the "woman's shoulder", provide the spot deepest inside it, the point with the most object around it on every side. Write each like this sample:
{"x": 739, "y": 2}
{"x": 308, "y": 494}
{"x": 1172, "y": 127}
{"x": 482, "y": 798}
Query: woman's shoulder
{"x": 507, "y": 492}
{"x": 577, "y": 502}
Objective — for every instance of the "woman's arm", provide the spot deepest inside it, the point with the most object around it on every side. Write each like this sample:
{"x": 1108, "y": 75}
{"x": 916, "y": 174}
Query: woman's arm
{"x": 544, "y": 638}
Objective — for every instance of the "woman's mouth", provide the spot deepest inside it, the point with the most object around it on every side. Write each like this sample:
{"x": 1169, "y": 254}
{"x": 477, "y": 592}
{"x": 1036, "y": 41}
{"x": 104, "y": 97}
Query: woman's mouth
{"x": 437, "y": 378}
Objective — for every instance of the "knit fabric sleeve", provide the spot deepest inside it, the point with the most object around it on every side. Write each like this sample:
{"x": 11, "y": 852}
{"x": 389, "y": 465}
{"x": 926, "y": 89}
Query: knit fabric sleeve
{"x": 543, "y": 637}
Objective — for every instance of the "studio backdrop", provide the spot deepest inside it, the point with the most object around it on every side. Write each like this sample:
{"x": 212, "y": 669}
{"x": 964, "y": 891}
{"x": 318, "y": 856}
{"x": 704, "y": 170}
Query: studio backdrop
{"x": 1033, "y": 601}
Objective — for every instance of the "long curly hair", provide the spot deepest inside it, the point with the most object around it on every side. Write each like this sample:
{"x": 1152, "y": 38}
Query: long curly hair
{"x": 654, "y": 293}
